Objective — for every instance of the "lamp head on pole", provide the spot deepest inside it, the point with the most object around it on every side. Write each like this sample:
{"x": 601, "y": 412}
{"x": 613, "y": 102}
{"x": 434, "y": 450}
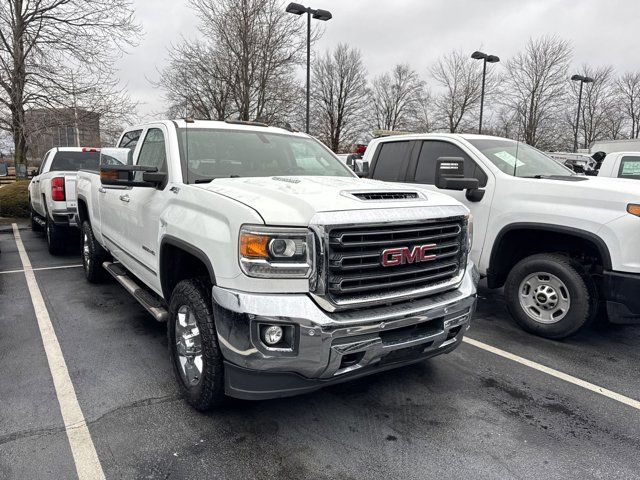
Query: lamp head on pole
{"x": 296, "y": 9}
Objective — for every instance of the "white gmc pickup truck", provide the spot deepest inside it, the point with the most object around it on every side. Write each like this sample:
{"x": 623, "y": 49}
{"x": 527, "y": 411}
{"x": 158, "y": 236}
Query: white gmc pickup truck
{"x": 52, "y": 192}
{"x": 561, "y": 244}
{"x": 277, "y": 269}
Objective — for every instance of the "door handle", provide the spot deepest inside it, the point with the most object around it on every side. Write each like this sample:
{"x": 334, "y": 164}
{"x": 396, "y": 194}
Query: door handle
{"x": 124, "y": 198}
{"x": 102, "y": 190}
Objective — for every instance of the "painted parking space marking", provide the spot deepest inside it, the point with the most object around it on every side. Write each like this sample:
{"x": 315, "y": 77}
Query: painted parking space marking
{"x": 41, "y": 268}
{"x": 555, "y": 373}
{"x": 84, "y": 452}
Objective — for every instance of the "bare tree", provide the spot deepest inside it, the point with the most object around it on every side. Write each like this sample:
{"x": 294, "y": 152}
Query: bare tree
{"x": 599, "y": 115}
{"x": 52, "y": 52}
{"x": 536, "y": 86}
{"x": 195, "y": 82}
{"x": 628, "y": 90}
{"x": 339, "y": 96}
{"x": 396, "y": 98}
{"x": 245, "y": 65}
{"x": 461, "y": 82}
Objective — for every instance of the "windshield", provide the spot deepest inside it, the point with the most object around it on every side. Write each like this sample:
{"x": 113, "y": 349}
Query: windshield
{"x": 518, "y": 159}
{"x": 214, "y": 154}
{"x": 74, "y": 161}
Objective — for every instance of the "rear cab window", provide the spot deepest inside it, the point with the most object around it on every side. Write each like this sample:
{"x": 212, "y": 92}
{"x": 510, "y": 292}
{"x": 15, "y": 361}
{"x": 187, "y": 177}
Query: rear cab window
{"x": 391, "y": 161}
{"x": 130, "y": 139}
{"x": 629, "y": 167}
{"x": 74, "y": 161}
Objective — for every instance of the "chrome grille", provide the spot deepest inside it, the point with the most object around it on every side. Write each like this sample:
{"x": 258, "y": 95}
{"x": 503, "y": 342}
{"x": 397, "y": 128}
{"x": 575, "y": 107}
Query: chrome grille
{"x": 354, "y": 259}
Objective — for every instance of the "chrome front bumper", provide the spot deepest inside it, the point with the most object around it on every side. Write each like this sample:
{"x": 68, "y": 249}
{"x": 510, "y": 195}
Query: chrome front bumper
{"x": 371, "y": 340}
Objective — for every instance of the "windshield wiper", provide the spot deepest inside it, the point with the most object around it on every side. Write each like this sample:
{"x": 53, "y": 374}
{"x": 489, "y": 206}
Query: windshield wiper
{"x": 207, "y": 180}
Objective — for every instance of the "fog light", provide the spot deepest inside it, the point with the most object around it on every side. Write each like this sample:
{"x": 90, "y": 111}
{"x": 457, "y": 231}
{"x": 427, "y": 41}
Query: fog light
{"x": 272, "y": 335}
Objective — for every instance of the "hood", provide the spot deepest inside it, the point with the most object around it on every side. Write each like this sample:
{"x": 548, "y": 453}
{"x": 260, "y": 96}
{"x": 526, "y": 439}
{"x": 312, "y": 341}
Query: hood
{"x": 596, "y": 197}
{"x": 293, "y": 200}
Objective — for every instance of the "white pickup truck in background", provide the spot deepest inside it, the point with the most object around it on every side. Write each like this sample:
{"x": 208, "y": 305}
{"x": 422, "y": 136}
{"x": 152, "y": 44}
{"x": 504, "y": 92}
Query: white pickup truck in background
{"x": 621, "y": 165}
{"x": 278, "y": 270}
{"x": 52, "y": 192}
{"x": 561, "y": 244}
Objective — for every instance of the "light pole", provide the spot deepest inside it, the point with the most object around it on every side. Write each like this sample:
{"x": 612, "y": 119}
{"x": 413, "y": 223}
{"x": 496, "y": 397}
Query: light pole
{"x": 582, "y": 80}
{"x": 485, "y": 58}
{"x": 318, "y": 14}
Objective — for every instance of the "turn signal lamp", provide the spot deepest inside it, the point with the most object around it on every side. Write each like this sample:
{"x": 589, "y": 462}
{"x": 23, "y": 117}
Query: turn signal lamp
{"x": 634, "y": 209}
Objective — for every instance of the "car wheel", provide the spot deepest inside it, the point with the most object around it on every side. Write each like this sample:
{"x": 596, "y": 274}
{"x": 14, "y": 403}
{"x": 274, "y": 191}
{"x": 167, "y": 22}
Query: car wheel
{"x": 92, "y": 255}
{"x": 35, "y": 226}
{"x": 551, "y": 295}
{"x": 195, "y": 354}
{"x": 55, "y": 238}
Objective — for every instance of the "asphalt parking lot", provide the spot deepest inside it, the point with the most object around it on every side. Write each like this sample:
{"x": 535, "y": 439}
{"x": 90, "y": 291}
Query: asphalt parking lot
{"x": 470, "y": 414}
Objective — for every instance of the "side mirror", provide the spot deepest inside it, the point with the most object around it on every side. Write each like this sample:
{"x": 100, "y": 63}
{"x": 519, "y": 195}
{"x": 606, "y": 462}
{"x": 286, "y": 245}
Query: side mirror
{"x": 450, "y": 176}
{"x": 365, "y": 167}
{"x": 350, "y": 161}
{"x": 125, "y": 176}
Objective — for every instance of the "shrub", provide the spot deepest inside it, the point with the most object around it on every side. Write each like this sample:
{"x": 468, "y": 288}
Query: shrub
{"x": 14, "y": 200}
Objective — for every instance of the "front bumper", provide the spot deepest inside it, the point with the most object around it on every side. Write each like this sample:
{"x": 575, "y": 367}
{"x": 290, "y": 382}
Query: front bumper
{"x": 622, "y": 293}
{"x": 333, "y": 347}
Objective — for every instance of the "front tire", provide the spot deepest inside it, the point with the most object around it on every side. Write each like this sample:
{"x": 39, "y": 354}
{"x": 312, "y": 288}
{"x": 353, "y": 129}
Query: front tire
{"x": 551, "y": 295}
{"x": 92, "y": 255}
{"x": 55, "y": 238}
{"x": 193, "y": 344}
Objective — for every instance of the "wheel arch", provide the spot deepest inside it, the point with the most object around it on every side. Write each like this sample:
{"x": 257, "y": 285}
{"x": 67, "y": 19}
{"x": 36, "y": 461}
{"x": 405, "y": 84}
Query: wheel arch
{"x": 534, "y": 238}
{"x": 83, "y": 211}
{"x": 180, "y": 260}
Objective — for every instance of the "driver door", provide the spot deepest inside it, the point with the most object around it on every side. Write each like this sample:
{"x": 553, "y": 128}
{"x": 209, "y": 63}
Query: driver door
{"x": 422, "y": 169}
{"x": 144, "y": 206}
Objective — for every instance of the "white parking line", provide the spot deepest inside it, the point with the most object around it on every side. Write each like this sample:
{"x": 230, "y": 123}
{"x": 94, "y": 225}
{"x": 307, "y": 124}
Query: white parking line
{"x": 555, "y": 373}
{"x": 41, "y": 268}
{"x": 84, "y": 452}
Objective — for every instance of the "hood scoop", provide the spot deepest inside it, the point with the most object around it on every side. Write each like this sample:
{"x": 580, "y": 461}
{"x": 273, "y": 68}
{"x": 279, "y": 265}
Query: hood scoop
{"x": 379, "y": 196}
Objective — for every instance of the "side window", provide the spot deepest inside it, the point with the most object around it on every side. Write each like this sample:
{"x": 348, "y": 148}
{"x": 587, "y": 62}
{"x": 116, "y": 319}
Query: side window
{"x": 392, "y": 161}
{"x": 629, "y": 168}
{"x": 153, "y": 152}
{"x": 432, "y": 150}
{"x": 130, "y": 139}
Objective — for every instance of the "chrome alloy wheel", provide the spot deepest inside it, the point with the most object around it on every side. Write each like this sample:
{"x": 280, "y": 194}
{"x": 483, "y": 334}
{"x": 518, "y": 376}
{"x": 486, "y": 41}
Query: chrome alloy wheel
{"x": 544, "y": 297}
{"x": 188, "y": 346}
{"x": 86, "y": 253}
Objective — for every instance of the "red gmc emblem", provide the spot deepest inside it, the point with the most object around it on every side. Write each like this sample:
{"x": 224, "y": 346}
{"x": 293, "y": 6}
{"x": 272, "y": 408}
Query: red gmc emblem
{"x": 399, "y": 256}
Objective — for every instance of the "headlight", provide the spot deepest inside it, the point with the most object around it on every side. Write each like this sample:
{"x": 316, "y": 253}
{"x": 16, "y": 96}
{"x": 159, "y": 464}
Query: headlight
{"x": 469, "y": 232}
{"x": 275, "y": 252}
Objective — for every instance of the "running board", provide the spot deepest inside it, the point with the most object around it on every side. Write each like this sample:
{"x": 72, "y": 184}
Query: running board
{"x": 146, "y": 299}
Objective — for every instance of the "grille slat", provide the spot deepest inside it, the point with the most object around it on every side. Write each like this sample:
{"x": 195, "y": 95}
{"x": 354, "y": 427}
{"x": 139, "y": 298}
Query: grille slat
{"x": 393, "y": 241}
{"x": 355, "y": 269}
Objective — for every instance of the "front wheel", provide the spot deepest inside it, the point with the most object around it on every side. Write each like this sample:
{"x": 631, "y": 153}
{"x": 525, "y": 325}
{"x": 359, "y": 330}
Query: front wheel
{"x": 195, "y": 354}
{"x": 551, "y": 295}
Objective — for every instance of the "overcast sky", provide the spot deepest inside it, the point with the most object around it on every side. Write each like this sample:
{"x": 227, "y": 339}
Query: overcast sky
{"x": 387, "y": 32}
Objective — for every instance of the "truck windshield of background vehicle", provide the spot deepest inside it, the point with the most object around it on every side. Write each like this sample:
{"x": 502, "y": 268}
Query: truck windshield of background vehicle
{"x": 519, "y": 159}
{"x": 212, "y": 154}
{"x": 74, "y": 161}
